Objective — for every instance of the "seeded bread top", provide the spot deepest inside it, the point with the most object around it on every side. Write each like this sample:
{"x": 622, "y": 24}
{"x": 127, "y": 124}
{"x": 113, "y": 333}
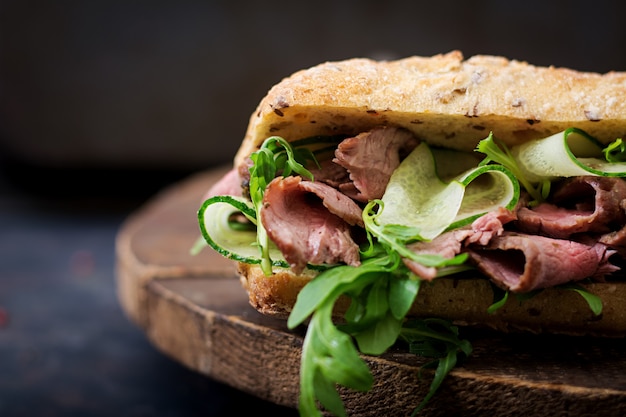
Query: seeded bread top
{"x": 445, "y": 100}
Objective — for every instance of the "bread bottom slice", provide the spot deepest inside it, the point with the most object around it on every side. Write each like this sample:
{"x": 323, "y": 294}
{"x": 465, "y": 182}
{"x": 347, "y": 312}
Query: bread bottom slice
{"x": 464, "y": 300}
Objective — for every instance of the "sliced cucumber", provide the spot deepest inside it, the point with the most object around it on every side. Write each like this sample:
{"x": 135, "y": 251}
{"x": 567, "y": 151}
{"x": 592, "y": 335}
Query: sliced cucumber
{"x": 569, "y": 153}
{"x": 239, "y": 245}
{"x": 487, "y": 188}
{"x": 417, "y": 197}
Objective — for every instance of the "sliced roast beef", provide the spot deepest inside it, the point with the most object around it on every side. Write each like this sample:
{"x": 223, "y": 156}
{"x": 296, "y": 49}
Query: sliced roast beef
{"x": 336, "y": 202}
{"x": 452, "y": 243}
{"x": 489, "y": 225}
{"x": 522, "y": 263}
{"x": 370, "y": 158}
{"x": 329, "y": 173}
{"x": 298, "y": 216}
{"x": 447, "y": 245}
{"x": 615, "y": 240}
{"x": 578, "y": 205}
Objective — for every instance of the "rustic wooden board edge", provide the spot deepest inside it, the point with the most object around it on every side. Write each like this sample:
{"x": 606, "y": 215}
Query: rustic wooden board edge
{"x": 133, "y": 271}
{"x": 214, "y": 344}
{"x": 224, "y": 347}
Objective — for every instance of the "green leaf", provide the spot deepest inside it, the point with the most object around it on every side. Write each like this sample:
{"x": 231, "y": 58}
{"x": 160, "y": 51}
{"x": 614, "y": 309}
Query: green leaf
{"x": 594, "y": 302}
{"x": 377, "y": 338}
{"x": 377, "y": 299}
{"x": 436, "y": 338}
{"x": 402, "y": 293}
{"x": 615, "y": 151}
{"x": 396, "y": 243}
{"x": 329, "y": 357}
{"x": 444, "y": 366}
{"x": 338, "y": 358}
{"x": 328, "y": 396}
{"x": 499, "y": 303}
{"x": 431, "y": 330}
{"x": 290, "y": 164}
{"x": 328, "y": 286}
{"x": 369, "y": 303}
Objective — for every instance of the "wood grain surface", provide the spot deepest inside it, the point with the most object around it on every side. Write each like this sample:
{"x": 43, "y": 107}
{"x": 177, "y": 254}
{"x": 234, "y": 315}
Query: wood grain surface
{"x": 193, "y": 309}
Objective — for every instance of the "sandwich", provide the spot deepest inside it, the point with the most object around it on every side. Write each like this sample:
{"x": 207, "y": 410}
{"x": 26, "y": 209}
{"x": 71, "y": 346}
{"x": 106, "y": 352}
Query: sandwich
{"x": 381, "y": 202}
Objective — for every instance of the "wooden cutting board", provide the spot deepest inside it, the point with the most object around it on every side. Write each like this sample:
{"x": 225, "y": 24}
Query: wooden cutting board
{"x": 194, "y": 310}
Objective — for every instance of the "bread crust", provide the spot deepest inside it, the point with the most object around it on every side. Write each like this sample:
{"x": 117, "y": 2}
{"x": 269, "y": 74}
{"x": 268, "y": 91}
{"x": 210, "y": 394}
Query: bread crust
{"x": 447, "y": 101}
{"x": 444, "y": 100}
{"x": 464, "y": 301}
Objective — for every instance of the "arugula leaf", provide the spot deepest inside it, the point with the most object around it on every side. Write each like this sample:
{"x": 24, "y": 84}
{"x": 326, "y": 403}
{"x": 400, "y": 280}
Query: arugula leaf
{"x": 377, "y": 312}
{"x": 381, "y": 292}
{"x": 329, "y": 285}
{"x": 501, "y": 297}
{"x": 395, "y": 237}
{"x": 436, "y": 338}
{"x": 594, "y": 302}
{"x": 499, "y": 303}
{"x": 615, "y": 151}
{"x": 402, "y": 294}
{"x": 376, "y": 338}
{"x": 329, "y": 356}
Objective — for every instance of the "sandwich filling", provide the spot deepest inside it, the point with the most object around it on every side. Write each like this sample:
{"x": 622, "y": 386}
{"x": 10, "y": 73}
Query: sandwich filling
{"x": 565, "y": 224}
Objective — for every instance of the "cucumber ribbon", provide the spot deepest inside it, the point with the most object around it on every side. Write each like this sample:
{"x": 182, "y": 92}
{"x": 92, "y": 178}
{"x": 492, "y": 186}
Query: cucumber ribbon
{"x": 237, "y": 244}
{"x": 569, "y": 153}
{"x": 417, "y": 196}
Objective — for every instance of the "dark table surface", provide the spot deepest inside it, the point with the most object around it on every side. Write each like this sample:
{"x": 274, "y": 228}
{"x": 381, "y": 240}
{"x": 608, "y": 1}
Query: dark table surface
{"x": 66, "y": 347}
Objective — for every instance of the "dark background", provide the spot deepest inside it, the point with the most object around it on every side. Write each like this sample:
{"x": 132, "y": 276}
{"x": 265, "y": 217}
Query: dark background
{"x": 103, "y": 103}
